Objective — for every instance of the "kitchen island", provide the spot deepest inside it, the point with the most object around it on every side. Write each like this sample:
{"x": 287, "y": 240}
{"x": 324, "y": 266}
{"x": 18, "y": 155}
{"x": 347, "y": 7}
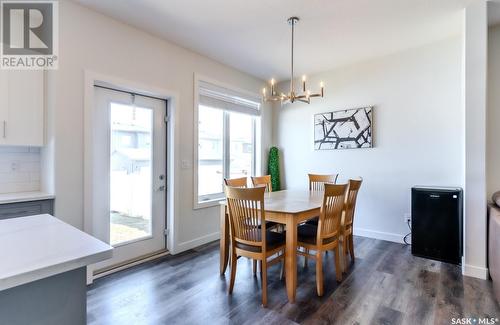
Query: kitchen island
{"x": 43, "y": 270}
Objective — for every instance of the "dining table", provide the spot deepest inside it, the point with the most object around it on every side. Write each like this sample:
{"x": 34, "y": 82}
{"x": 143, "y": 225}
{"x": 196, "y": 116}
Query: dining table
{"x": 289, "y": 208}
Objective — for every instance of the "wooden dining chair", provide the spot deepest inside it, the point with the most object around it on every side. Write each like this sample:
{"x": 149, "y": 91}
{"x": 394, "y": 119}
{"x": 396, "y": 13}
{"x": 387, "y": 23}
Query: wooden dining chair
{"x": 248, "y": 239}
{"x": 236, "y": 182}
{"x": 326, "y": 235}
{"x": 348, "y": 220}
{"x": 263, "y": 180}
{"x": 266, "y": 181}
{"x": 242, "y": 183}
{"x": 317, "y": 182}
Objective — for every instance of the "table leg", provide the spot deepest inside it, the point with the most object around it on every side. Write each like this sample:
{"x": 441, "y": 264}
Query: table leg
{"x": 224, "y": 239}
{"x": 291, "y": 258}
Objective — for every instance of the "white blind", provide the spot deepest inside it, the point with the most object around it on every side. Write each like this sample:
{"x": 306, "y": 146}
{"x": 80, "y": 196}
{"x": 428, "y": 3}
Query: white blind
{"x": 222, "y": 98}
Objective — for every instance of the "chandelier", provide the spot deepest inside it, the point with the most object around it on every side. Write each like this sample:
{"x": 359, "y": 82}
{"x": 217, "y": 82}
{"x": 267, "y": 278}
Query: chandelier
{"x": 305, "y": 96}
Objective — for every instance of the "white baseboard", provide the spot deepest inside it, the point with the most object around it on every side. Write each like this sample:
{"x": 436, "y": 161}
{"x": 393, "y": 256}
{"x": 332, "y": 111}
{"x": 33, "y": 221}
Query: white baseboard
{"x": 90, "y": 268}
{"x": 193, "y": 243}
{"x": 474, "y": 271}
{"x": 467, "y": 270}
{"x": 396, "y": 238}
{"x": 129, "y": 265}
{"x": 190, "y": 244}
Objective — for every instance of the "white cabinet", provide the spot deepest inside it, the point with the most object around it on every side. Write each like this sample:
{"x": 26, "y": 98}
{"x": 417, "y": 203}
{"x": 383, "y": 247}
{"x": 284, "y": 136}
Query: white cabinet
{"x": 22, "y": 108}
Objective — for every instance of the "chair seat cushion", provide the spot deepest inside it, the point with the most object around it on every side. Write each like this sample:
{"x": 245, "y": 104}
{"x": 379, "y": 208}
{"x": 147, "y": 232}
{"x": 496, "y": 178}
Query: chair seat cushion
{"x": 308, "y": 234}
{"x": 270, "y": 224}
{"x": 273, "y": 241}
{"x": 313, "y": 221}
{"x": 496, "y": 198}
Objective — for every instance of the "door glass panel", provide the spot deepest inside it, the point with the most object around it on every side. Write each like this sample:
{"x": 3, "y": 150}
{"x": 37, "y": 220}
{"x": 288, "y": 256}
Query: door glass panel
{"x": 210, "y": 152}
{"x": 241, "y": 145}
{"x": 131, "y": 173}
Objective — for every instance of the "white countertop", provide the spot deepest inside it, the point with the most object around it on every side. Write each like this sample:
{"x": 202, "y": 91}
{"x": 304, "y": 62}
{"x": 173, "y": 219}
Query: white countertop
{"x": 36, "y": 247}
{"x": 24, "y": 197}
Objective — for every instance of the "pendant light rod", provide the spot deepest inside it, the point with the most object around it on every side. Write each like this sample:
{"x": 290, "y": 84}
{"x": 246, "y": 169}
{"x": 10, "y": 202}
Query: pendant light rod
{"x": 304, "y": 96}
{"x": 292, "y": 21}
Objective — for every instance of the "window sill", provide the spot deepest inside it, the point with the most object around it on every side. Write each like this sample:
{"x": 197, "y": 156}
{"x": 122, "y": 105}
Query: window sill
{"x": 208, "y": 203}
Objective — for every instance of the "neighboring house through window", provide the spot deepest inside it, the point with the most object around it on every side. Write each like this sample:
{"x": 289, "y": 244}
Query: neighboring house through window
{"x": 227, "y": 133}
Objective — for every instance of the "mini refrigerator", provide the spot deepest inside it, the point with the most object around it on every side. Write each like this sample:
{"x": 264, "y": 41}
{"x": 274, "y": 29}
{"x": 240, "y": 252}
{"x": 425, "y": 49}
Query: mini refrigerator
{"x": 436, "y": 223}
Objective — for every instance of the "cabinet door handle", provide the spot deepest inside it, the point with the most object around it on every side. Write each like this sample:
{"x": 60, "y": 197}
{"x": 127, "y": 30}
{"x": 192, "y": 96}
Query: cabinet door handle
{"x": 4, "y": 129}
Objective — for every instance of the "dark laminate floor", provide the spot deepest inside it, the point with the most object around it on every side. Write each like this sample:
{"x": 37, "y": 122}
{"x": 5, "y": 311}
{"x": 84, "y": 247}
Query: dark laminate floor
{"x": 386, "y": 285}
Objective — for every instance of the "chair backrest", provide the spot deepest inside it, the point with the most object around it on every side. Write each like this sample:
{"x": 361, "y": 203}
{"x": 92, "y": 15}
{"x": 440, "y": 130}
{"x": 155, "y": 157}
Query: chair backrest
{"x": 236, "y": 182}
{"x": 263, "y": 180}
{"x": 350, "y": 201}
{"x": 331, "y": 211}
{"x": 317, "y": 182}
{"x": 246, "y": 214}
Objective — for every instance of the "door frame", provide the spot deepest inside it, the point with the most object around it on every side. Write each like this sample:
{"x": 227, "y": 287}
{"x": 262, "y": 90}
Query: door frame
{"x": 91, "y": 79}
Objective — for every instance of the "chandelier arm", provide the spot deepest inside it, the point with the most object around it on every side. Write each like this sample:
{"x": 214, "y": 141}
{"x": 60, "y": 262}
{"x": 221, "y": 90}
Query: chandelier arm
{"x": 310, "y": 95}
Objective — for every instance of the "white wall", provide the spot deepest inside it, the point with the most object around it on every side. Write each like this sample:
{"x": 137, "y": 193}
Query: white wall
{"x": 418, "y": 132}
{"x": 493, "y": 113}
{"x": 475, "y": 76}
{"x": 89, "y": 40}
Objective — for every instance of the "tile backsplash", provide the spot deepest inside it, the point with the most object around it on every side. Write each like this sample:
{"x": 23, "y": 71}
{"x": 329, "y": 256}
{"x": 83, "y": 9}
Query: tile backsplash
{"x": 19, "y": 169}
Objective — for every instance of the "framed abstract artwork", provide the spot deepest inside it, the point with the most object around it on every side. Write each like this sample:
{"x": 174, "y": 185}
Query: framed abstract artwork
{"x": 346, "y": 129}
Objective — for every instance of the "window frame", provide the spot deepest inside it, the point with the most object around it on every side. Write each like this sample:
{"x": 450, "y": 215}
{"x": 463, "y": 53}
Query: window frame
{"x": 214, "y": 199}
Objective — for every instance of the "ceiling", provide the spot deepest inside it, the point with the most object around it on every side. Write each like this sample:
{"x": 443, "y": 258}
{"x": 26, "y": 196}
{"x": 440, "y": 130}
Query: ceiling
{"x": 253, "y": 36}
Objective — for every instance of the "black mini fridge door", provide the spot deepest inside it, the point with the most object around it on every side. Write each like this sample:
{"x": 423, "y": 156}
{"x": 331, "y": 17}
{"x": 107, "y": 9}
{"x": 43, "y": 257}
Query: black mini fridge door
{"x": 436, "y": 219}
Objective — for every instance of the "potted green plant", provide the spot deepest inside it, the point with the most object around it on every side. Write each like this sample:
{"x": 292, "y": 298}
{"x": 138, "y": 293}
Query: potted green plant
{"x": 273, "y": 168}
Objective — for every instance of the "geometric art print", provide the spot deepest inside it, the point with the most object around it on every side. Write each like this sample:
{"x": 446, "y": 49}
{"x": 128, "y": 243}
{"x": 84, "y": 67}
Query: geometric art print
{"x": 347, "y": 129}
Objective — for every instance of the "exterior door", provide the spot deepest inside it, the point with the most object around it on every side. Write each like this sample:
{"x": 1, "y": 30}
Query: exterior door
{"x": 129, "y": 163}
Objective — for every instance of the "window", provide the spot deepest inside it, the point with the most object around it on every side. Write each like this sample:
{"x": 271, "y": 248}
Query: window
{"x": 227, "y": 145}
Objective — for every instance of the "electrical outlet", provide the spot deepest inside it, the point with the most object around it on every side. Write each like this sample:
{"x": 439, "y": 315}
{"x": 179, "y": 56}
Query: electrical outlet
{"x": 185, "y": 164}
{"x": 407, "y": 217}
{"x": 14, "y": 166}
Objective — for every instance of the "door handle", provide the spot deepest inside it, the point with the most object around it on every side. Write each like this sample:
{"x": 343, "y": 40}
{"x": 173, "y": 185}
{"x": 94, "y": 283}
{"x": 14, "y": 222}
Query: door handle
{"x": 4, "y": 129}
